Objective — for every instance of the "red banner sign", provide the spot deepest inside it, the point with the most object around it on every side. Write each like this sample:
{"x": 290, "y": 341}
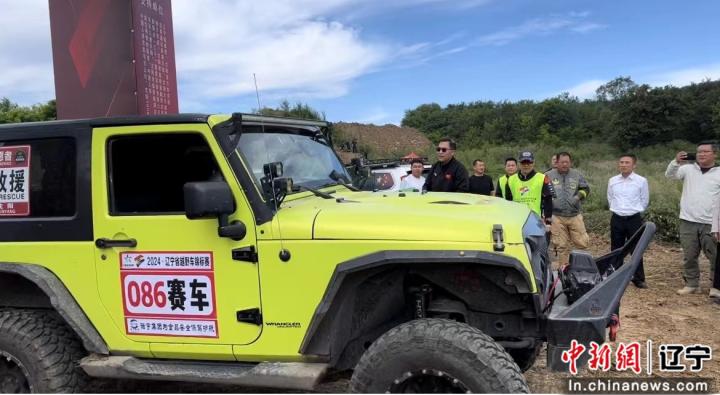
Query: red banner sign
{"x": 113, "y": 58}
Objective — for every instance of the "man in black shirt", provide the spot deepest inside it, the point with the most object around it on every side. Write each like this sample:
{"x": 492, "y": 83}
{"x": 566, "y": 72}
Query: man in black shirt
{"x": 447, "y": 174}
{"x": 481, "y": 183}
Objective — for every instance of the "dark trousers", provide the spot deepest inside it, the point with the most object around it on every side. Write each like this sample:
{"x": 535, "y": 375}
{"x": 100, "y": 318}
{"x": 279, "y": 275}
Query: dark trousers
{"x": 621, "y": 230}
{"x": 716, "y": 280}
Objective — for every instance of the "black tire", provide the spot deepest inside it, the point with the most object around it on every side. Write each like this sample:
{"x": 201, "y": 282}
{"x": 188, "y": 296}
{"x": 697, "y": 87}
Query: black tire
{"x": 525, "y": 357}
{"x": 436, "y": 355}
{"x": 38, "y": 353}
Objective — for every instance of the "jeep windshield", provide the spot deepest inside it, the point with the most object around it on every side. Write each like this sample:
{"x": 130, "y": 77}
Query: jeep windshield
{"x": 305, "y": 156}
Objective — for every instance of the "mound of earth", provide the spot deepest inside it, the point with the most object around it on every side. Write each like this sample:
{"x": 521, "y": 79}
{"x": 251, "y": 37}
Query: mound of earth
{"x": 386, "y": 141}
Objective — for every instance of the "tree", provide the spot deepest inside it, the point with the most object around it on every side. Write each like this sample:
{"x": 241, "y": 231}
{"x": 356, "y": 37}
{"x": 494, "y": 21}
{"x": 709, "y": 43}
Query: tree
{"x": 647, "y": 116}
{"x": 615, "y": 89}
{"x": 623, "y": 113}
{"x": 299, "y": 110}
{"x": 11, "y": 112}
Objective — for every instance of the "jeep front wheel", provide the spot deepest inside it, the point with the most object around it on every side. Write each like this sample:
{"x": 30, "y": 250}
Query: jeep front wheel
{"x": 436, "y": 356}
{"x": 38, "y": 353}
{"x": 525, "y": 357}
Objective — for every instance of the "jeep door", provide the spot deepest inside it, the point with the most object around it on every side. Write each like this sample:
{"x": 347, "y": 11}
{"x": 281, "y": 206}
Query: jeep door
{"x": 165, "y": 279}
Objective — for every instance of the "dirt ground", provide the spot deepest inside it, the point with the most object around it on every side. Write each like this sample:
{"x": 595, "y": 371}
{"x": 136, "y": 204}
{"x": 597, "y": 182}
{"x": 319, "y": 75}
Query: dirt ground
{"x": 656, "y": 313}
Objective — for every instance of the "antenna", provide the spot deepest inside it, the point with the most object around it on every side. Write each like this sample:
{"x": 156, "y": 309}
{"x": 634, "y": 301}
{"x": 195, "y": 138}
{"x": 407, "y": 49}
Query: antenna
{"x": 257, "y": 93}
{"x": 284, "y": 254}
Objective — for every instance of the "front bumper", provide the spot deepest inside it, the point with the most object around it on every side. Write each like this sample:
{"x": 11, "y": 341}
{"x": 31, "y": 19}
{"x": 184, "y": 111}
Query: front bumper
{"x": 588, "y": 318}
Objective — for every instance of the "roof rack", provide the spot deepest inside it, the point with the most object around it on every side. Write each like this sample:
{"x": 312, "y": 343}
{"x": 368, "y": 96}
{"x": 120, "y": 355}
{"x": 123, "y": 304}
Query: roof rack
{"x": 382, "y": 163}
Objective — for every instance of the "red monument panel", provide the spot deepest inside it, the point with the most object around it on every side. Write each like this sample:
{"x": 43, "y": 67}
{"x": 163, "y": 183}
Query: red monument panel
{"x": 113, "y": 57}
{"x": 155, "y": 57}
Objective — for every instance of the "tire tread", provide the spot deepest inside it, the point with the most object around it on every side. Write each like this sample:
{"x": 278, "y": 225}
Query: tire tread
{"x": 49, "y": 344}
{"x": 503, "y": 374}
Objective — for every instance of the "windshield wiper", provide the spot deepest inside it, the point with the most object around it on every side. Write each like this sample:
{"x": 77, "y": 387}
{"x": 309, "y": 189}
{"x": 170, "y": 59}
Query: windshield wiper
{"x": 342, "y": 180}
{"x": 299, "y": 188}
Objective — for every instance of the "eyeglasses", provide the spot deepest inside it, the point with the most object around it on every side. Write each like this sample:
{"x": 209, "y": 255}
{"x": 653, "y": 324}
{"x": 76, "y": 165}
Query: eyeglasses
{"x": 442, "y": 149}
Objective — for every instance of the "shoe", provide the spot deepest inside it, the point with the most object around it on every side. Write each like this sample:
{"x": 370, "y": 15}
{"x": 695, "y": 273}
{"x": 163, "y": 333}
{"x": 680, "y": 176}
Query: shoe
{"x": 689, "y": 290}
{"x": 640, "y": 284}
{"x": 715, "y": 293}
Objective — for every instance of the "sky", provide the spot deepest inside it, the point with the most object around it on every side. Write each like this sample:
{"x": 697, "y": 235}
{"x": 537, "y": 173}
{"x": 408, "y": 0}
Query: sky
{"x": 370, "y": 61}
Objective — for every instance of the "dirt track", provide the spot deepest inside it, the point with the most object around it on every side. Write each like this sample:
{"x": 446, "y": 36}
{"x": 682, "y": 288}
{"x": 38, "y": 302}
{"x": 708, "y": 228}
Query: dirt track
{"x": 655, "y": 313}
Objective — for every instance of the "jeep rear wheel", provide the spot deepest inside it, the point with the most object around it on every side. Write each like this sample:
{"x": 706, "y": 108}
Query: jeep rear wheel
{"x": 38, "y": 353}
{"x": 435, "y": 355}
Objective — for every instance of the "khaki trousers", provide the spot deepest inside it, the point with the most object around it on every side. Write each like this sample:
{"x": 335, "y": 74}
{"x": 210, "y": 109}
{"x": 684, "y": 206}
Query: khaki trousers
{"x": 568, "y": 233}
{"x": 694, "y": 238}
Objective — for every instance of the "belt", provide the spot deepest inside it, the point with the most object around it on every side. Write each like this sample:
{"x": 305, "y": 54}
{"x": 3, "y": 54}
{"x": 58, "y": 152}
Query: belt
{"x": 627, "y": 216}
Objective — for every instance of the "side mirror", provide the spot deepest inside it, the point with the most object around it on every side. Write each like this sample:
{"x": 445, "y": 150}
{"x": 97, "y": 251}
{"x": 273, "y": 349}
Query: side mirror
{"x": 213, "y": 200}
{"x": 208, "y": 200}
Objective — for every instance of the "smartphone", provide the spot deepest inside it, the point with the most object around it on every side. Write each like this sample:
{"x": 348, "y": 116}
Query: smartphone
{"x": 690, "y": 157}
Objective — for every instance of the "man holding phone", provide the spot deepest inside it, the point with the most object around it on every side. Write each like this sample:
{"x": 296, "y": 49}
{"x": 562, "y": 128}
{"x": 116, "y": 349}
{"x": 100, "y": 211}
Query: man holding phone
{"x": 701, "y": 188}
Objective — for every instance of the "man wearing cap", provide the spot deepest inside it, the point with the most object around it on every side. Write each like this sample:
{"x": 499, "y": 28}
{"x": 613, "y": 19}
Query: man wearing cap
{"x": 530, "y": 187}
{"x": 448, "y": 174}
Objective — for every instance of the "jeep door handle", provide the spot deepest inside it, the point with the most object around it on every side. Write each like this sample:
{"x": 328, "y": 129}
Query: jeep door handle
{"x": 110, "y": 243}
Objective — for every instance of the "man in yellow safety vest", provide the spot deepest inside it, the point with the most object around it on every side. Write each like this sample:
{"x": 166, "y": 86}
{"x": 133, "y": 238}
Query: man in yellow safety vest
{"x": 531, "y": 188}
{"x": 510, "y": 169}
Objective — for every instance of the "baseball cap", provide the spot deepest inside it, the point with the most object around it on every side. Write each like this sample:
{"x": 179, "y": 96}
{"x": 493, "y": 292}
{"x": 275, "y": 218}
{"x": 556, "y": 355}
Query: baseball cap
{"x": 526, "y": 156}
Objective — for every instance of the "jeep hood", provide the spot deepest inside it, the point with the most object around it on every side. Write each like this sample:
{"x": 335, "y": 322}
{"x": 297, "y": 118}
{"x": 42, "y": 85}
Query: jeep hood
{"x": 457, "y": 217}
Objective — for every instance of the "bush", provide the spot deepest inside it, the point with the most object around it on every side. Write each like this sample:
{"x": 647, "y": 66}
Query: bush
{"x": 597, "y": 222}
{"x": 667, "y": 222}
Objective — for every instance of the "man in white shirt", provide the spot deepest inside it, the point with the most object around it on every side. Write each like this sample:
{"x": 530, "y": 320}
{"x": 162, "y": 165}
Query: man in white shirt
{"x": 628, "y": 196}
{"x": 414, "y": 180}
{"x": 701, "y": 188}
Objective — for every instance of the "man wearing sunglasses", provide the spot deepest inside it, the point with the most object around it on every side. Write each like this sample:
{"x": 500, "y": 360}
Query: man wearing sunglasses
{"x": 448, "y": 174}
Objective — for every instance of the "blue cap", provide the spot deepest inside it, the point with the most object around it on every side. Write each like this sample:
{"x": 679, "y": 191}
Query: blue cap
{"x": 526, "y": 156}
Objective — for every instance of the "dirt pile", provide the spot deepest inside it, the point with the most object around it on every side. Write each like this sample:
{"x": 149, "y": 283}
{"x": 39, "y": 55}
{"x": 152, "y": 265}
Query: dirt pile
{"x": 381, "y": 141}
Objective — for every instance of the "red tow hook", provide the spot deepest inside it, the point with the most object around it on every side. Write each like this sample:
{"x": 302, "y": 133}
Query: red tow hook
{"x": 614, "y": 326}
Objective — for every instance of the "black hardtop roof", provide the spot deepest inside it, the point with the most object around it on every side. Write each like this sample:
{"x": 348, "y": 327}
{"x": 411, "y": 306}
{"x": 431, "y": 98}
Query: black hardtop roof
{"x": 117, "y": 121}
{"x": 160, "y": 120}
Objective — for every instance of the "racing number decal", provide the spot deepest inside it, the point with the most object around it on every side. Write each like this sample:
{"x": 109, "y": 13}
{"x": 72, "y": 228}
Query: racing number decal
{"x": 169, "y": 293}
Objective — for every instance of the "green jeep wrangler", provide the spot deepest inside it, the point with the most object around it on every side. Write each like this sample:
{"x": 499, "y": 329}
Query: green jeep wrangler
{"x": 232, "y": 249}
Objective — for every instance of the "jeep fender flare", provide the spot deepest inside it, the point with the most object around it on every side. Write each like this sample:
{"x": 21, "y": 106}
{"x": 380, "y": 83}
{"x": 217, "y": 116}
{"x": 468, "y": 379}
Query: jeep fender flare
{"x": 61, "y": 300}
{"x": 322, "y": 338}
